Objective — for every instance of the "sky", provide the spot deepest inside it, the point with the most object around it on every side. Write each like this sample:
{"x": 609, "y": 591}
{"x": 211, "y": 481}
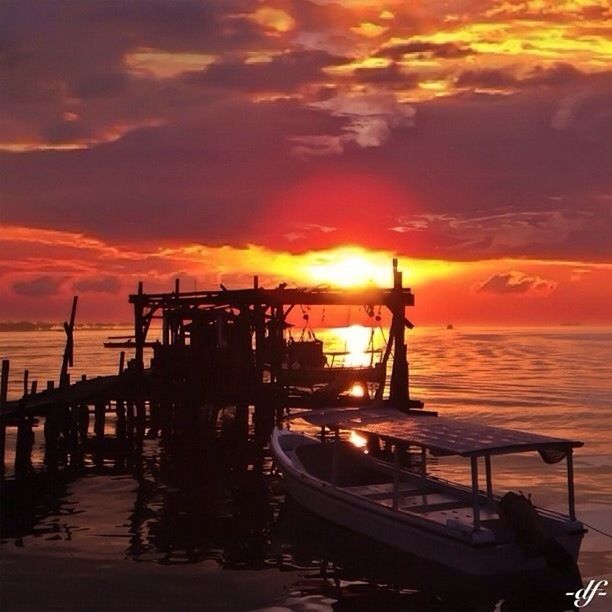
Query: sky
{"x": 308, "y": 141}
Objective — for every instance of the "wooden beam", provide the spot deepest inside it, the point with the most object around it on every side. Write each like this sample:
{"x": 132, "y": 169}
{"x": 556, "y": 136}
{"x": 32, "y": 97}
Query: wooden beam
{"x": 278, "y": 297}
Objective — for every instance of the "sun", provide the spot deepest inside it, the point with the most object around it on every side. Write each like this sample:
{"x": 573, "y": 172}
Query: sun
{"x": 347, "y": 267}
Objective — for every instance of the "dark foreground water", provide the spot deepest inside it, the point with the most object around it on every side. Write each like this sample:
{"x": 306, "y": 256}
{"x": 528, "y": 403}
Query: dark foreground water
{"x": 188, "y": 529}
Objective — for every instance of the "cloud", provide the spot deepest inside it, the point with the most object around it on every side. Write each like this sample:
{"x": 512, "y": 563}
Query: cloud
{"x": 516, "y": 283}
{"x": 99, "y": 284}
{"x": 503, "y": 78}
{"x": 279, "y": 73}
{"x": 390, "y": 76}
{"x": 39, "y": 287}
{"x": 396, "y": 50}
{"x": 192, "y": 121}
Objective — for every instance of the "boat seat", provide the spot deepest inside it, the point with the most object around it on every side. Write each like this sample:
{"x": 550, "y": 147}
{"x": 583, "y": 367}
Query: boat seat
{"x": 451, "y": 505}
{"x": 422, "y": 499}
{"x": 460, "y": 513}
{"x": 384, "y": 490}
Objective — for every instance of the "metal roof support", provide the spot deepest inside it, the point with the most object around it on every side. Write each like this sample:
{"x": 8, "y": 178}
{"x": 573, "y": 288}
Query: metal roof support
{"x": 489, "y": 478}
{"x": 475, "y": 504}
{"x": 570, "y": 484}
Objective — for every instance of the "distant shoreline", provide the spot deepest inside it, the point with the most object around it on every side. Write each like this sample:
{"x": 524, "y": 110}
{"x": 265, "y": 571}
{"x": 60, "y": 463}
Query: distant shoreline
{"x": 38, "y": 326}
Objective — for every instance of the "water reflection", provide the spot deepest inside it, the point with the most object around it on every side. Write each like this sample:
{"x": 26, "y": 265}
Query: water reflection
{"x": 197, "y": 503}
{"x": 155, "y": 506}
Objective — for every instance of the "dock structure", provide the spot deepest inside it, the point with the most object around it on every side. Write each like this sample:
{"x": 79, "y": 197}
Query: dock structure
{"x": 217, "y": 349}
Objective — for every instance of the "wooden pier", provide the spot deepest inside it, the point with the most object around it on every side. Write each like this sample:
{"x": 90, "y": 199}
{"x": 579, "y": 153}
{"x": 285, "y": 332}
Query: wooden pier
{"x": 217, "y": 349}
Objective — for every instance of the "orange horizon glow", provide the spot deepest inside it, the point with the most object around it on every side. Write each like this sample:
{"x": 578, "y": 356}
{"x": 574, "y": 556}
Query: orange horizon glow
{"x": 47, "y": 267}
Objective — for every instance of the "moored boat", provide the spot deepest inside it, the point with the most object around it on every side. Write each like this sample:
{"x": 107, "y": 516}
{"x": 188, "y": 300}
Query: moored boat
{"x": 377, "y": 492}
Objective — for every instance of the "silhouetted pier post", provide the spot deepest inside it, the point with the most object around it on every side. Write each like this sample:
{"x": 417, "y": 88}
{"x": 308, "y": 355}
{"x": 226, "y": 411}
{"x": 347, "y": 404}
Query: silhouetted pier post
{"x": 99, "y": 419}
{"x": 6, "y": 365}
{"x": 25, "y": 442}
{"x": 68, "y": 358}
{"x": 141, "y": 417}
{"x": 121, "y": 422}
{"x": 398, "y": 389}
{"x": 130, "y": 421}
{"x": 51, "y": 430}
{"x": 139, "y": 329}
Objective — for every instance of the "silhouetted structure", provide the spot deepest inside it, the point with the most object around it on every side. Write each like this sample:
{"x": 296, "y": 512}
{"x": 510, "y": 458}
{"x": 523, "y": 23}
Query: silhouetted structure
{"x": 218, "y": 348}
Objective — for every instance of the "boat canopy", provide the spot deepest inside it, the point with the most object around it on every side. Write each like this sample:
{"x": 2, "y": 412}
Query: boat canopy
{"x": 442, "y": 436}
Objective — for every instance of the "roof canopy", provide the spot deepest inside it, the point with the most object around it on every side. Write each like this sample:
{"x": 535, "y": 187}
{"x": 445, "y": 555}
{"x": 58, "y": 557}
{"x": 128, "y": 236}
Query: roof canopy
{"x": 441, "y": 435}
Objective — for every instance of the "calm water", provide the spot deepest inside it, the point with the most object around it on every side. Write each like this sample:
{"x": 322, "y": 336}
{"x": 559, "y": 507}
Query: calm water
{"x": 157, "y": 531}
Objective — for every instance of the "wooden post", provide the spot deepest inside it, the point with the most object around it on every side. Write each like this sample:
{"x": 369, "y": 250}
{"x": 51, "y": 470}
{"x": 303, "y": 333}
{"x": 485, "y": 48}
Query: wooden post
{"x": 139, "y": 329}
{"x": 120, "y": 412}
{"x": 26, "y": 375}
{"x": 141, "y": 415}
{"x": 82, "y": 413}
{"x": 51, "y": 431}
{"x": 67, "y": 360}
{"x": 34, "y": 387}
{"x": 398, "y": 392}
{"x": 475, "y": 500}
{"x": 99, "y": 418}
{"x": 83, "y": 422}
{"x": 121, "y": 362}
{"x": 25, "y": 440}
{"x": 6, "y": 366}
{"x": 74, "y": 414}
{"x": 489, "y": 477}
{"x": 129, "y": 418}
{"x": 571, "y": 502}
{"x": 3, "y": 397}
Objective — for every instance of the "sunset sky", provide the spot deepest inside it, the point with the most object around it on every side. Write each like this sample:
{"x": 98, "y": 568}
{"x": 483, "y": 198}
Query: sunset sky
{"x": 309, "y": 141}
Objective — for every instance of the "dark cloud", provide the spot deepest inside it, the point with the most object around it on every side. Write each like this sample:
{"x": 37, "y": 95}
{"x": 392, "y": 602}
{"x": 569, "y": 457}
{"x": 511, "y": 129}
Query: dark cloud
{"x": 498, "y": 78}
{"x": 65, "y": 56}
{"x": 488, "y": 78}
{"x": 284, "y": 72}
{"x": 39, "y": 287}
{"x": 391, "y": 75}
{"x": 418, "y": 47}
{"x": 516, "y": 283}
{"x": 62, "y": 132}
{"x": 102, "y": 284}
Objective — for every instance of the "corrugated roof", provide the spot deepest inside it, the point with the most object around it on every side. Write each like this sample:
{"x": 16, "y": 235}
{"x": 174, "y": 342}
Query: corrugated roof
{"x": 440, "y": 434}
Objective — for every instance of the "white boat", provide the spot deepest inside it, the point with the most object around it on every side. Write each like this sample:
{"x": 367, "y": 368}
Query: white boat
{"x": 461, "y": 528}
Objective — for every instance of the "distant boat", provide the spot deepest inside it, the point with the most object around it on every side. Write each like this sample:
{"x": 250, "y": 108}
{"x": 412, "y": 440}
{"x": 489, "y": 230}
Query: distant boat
{"x": 458, "y": 527}
{"x": 450, "y": 326}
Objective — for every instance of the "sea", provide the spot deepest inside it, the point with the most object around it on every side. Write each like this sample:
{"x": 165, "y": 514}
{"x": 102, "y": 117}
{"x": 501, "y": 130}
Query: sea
{"x": 154, "y": 533}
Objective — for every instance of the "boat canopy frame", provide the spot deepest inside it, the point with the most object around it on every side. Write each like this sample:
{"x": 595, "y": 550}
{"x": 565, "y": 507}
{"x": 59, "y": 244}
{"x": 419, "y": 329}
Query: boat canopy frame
{"x": 447, "y": 437}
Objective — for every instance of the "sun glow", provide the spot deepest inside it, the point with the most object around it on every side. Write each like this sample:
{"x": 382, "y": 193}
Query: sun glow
{"x": 356, "y": 340}
{"x": 350, "y": 267}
